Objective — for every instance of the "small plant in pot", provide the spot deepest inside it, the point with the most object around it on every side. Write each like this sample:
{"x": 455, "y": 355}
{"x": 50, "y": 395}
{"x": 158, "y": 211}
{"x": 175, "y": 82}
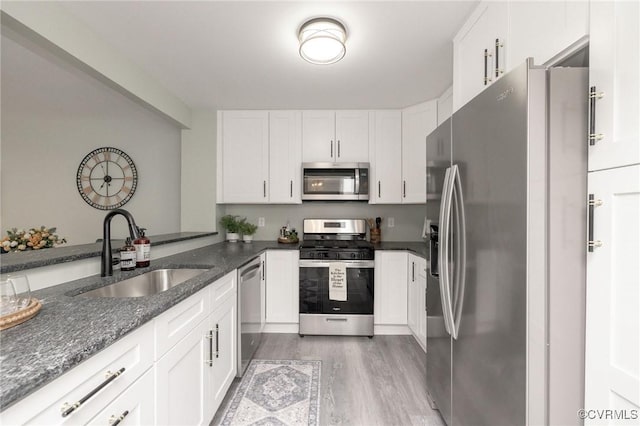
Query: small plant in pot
{"x": 248, "y": 230}
{"x": 232, "y": 225}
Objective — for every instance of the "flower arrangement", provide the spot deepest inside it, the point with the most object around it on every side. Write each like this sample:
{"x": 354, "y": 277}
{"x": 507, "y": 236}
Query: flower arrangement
{"x": 33, "y": 239}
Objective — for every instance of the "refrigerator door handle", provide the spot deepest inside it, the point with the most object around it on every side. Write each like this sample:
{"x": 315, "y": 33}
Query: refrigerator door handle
{"x": 461, "y": 252}
{"x": 443, "y": 250}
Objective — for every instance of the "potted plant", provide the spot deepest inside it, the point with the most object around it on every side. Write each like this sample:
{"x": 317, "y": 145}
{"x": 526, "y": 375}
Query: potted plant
{"x": 247, "y": 229}
{"x": 232, "y": 225}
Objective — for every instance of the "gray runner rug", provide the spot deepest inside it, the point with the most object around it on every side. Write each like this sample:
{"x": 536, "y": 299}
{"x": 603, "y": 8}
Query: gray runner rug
{"x": 276, "y": 392}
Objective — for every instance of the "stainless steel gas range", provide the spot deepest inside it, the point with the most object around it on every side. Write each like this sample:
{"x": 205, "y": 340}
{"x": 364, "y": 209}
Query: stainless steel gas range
{"x": 336, "y": 278}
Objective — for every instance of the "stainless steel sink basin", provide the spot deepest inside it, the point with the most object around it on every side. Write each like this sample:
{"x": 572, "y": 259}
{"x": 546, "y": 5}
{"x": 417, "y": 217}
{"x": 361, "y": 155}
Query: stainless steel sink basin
{"x": 147, "y": 284}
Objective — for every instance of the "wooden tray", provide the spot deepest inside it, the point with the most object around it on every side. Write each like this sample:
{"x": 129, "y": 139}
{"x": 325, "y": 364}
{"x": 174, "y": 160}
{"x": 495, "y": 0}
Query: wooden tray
{"x": 287, "y": 240}
{"x": 15, "y": 318}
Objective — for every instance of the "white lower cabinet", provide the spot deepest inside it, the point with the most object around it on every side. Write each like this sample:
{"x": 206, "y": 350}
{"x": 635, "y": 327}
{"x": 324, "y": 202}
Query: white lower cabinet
{"x": 390, "y": 289}
{"x": 222, "y": 368}
{"x": 135, "y": 406}
{"x": 182, "y": 390}
{"x": 195, "y": 363}
{"x": 112, "y": 371}
{"x": 612, "y": 358}
{"x": 193, "y": 377}
{"x": 416, "y": 299}
{"x": 282, "y": 287}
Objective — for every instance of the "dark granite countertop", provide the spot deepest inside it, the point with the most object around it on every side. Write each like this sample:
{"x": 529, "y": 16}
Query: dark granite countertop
{"x": 12, "y": 262}
{"x": 72, "y": 328}
{"x": 418, "y": 248}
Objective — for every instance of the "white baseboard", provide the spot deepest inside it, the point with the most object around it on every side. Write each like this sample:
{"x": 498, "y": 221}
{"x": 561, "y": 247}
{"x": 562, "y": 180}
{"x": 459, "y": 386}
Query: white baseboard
{"x": 281, "y": 328}
{"x": 377, "y": 329}
{"x": 383, "y": 329}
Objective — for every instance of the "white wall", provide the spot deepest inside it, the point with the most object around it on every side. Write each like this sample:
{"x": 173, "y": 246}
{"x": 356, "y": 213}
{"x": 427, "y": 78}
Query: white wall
{"x": 409, "y": 219}
{"x": 53, "y": 115}
{"x": 198, "y": 178}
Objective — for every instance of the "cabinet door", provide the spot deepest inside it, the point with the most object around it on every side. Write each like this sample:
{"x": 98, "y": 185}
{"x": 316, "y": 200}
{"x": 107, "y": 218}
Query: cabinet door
{"x": 542, "y": 29}
{"x": 282, "y": 286}
{"x": 175, "y": 323}
{"x": 352, "y": 136}
{"x": 135, "y": 406}
{"x": 223, "y": 368}
{"x": 285, "y": 156}
{"x": 412, "y": 296}
{"x": 421, "y": 302}
{"x": 243, "y": 156}
{"x": 390, "y": 288}
{"x": 318, "y": 136}
{"x": 612, "y": 359}
{"x": 614, "y": 66}
{"x": 487, "y": 23}
{"x": 417, "y": 122}
{"x": 182, "y": 389}
{"x": 386, "y": 158}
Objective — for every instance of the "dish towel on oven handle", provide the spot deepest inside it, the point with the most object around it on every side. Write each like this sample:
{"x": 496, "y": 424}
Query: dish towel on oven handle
{"x": 338, "y": 281}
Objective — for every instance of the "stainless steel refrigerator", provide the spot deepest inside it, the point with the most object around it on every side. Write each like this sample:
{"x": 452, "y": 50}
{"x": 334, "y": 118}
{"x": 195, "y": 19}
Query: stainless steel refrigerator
{"x": 505, "y": 292}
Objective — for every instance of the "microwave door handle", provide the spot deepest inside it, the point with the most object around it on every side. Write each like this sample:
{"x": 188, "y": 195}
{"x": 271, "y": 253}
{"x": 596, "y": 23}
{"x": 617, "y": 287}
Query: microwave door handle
{"x": 357, "y": 182}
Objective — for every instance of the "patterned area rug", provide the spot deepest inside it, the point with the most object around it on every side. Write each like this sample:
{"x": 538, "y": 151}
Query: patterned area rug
{"x": 274, "y": 393}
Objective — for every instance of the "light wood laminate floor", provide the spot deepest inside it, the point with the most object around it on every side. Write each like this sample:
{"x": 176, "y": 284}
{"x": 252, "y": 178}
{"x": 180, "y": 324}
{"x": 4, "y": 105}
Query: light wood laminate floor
{"x": 379, "y": 381}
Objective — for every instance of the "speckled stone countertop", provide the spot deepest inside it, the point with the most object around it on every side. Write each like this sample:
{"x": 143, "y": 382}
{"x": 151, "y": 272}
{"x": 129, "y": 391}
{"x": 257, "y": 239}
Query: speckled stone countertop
{"x": 418, "y": 248}
{"x": 70, "y": 328}
{"x": 12, "y": 262}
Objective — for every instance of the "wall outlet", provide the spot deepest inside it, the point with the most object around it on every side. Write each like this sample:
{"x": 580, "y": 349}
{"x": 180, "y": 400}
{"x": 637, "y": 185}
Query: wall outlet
{"x": 261, "y": 222}
{"x": 391, "y": 222}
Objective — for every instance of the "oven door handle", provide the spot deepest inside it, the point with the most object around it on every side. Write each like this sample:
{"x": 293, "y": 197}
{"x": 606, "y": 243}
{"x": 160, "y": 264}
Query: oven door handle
{"x": 363, "y": 264}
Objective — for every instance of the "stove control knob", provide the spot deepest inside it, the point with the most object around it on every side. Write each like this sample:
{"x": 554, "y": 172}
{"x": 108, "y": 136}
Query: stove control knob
{"x": 353, "y": 255}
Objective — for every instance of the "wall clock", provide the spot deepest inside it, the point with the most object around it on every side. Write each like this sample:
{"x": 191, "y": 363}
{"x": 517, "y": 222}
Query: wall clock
{"x": 107, "y": 178}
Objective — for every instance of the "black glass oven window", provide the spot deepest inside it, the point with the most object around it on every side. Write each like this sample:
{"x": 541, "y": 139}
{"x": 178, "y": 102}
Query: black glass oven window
{"x": 314, "y": 292}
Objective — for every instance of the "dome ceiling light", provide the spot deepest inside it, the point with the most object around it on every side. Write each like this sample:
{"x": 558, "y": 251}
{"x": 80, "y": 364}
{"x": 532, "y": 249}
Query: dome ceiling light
{"x": 322, "y": 41}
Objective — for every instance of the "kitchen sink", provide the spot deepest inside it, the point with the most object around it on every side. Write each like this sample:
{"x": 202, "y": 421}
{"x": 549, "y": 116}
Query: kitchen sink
{"x": 147, "y": 284}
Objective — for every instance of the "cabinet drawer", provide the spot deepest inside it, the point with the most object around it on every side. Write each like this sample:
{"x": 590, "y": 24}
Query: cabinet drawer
{"x": 174, "y": 324}
{"x": 223, "y": 288}
{"x": 135, "y": 406}
{"x": 131, "y": 356}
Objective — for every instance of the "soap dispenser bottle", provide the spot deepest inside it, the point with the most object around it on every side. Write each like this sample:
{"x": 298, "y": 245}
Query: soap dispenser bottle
{"x": 128, "y": 256}
{"x": 143, "y": 250}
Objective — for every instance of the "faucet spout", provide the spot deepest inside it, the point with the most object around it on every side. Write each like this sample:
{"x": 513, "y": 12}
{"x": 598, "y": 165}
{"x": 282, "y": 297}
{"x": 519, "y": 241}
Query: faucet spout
{"x": 106, "y": 268}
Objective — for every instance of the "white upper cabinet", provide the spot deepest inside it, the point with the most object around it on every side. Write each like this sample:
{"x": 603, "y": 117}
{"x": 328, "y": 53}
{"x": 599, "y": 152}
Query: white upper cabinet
{"x": 542, "y": 29}
{"x": 475, "y": 62}
{"x": 318, "y": 135}
{"x": 285, "y": 156}
{"x": 352, "y": 136}
{"x": 500, "y": 35}
{"x": 243, "y": 156}
{"x": 335, "y": 136}
{"x": 614, "y": 67}
{"x": 417, "y": 122}
{"x": 386, "y": 157}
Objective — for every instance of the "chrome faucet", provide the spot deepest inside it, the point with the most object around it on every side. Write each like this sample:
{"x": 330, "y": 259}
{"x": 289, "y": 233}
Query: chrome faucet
{"x": 106, "y": 269}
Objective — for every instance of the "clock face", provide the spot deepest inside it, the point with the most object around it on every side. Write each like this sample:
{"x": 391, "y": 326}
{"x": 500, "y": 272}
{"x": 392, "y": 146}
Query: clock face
{"x": 107, "y": 178}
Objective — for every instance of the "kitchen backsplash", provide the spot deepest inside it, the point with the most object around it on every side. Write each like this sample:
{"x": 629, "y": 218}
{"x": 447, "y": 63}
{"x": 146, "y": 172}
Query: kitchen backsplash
{"x": 409, "y": 219}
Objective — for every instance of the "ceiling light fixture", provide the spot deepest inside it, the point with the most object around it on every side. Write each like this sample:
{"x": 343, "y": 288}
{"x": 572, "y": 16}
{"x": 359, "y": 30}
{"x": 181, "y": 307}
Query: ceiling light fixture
{"x": 322, "y": 41}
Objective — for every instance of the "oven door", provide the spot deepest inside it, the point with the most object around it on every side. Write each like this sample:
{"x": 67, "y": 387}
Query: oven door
{"x": 314, "y": 288}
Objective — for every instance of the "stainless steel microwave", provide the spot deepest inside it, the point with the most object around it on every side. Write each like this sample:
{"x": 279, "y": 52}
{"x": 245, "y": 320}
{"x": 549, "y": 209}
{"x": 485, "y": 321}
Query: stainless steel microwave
{"x": 335, "y": 181}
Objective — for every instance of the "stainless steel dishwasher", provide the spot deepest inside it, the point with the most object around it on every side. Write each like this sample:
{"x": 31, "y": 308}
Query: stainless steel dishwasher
{"x": 251, "y": 314}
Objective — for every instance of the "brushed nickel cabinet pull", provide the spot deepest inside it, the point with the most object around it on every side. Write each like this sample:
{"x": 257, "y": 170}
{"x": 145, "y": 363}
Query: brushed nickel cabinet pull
{"x": 338, "y": 148}
{"x": 217, "y": 342}
{"x": 591, "y": 242}
{"x": 594, "y": 95}
{"x": 113, "y": 420}
{"x": 210, "y": 337}
{"x": 70, "y": 408}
